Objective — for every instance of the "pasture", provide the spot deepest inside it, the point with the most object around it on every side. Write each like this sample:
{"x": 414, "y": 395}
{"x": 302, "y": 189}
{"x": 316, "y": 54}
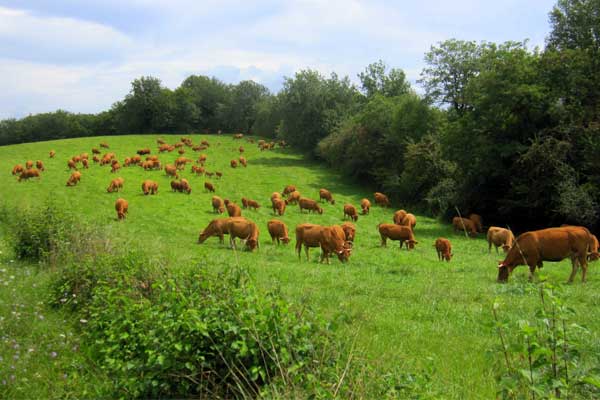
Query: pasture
{"x": 403, "y": 310}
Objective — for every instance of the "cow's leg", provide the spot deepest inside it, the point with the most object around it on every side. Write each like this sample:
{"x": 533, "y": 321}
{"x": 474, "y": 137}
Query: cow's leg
{"x": 221, "y": 239}
{"x": 383, "y": 241}
{"x": 583, "y": 270}
{"x": 575, "y": 266}
{"x": 531, "y": 272}
{"x": 299, "y": 250}
{"x": 306, "y": 249}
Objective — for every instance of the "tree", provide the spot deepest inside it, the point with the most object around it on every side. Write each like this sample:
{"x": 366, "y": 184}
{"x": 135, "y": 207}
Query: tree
{"x": 148, "y": 107}
{"x": 575, "y": 25}
{"x": 451, "y": 66}
{"x": 374, "y": 80}
{"x": 245, "y": 97}
{"x": 211, "y": 97}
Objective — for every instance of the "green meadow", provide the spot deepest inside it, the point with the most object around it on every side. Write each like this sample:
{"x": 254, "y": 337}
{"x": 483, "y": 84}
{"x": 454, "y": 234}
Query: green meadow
{"x": 404, "y": 311}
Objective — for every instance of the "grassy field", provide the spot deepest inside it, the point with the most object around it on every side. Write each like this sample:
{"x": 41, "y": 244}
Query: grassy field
{"x": 405, "y": 310}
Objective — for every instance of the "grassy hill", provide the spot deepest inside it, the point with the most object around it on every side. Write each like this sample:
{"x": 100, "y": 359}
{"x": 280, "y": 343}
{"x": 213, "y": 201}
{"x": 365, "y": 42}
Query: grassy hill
{"x": 405, "y": 311}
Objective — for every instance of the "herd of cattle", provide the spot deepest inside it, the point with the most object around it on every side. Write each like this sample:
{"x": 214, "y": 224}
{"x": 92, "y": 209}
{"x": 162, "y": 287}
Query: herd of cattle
{"x": 530, "y": 248}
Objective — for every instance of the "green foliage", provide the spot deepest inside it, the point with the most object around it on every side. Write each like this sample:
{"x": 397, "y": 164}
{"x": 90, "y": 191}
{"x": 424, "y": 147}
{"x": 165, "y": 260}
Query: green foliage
{"x": 543, "y": 357}
{"x": 374, "y": 80}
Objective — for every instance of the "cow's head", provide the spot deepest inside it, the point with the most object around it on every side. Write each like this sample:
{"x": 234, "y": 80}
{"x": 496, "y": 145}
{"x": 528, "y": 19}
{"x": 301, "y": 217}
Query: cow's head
{"x": 504, "y": 271}
{"x": 285, "y": 240}
{"x": 251, "y": 244}
{"x": 411, "y": 244}
{"x": 332, "y": 202}
{"x": 506, "y": 248}
{"x": 344, "y": 253}
{"x": 355, "y": 217}
{"x": 593, "y": 256}
{"x": 319, "y": 210}
{"x": 448, "y": 256}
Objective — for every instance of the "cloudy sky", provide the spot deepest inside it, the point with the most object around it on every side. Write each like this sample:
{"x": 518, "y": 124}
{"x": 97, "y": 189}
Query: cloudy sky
{"x": 82, "y": 55}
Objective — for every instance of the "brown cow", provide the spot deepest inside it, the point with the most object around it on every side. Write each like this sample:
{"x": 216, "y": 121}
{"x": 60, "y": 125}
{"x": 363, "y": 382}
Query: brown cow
{"x": 72, "y": 165}
{"x": 330, "y": 239}
{"x": 244, "y": 202}
{"x": 349, "y": 230}
{"x": 198, "y": 170}
{"x": 149, "y": 187}
{"x": 243, "y": 161}
{"x": 29, "y": 173}
{"x": 95, "y": 151}
{"x": 74, "y": 178}
{"x": 233, "y": 163}
{"x": 252, "y": 204}
{"x": 593, "y": 254}
{"x": 84, "y": 156}
{"x": 115, "y": 185}
{"x": 294, "y": 197}
{"x": 499, "y": 237}
{"x": 552, "y": 244}
{"x": 115, "y": 166}
{"x": 202, "y": 158}
{"x": 52, "y": 153}
{"x": 350, "y": 211}
{"x": 233, "y": 209}
{"x": 216, "y": 227}
{"x": 85, "y": 163}
{"x": 244, "y": 229}
{"x": 209, "y": 187}
{"x": 289, "y": 189}
{"x": 409, "y": 220}
{"x": 464, "y": 225}
{"x": 104, "y": 144}
{"x": 164, "y": 147}
{"x": 310, "y": 205}
{"x": 218, "y": 174}
{"x": 171, "y": 170}
{"x": 217, "y": 204}
{"x": 143, "y": 151}
{"x": 397, "y": 232}
{"x": 476, "y": 218}
{"x": 209, "y": 174}
{"x": 326, "y": 194}
{"x": 399, "y": 216}
{"x": 121, "y": 206}
{"x": 381, "y": 199}
{"x": 365, "y": 204}
{"x": 279, "y": 206}
{"x": 181, "y": 186}
{"x": 29, "y": 164}
{"x": 17, "y": 169}
{"x": 278, "y": 231}
{"x": 96, "y": 159}
{"x": 444, "y": 249}
{"x": 39, "y": 165}
{"x": 241, "y": 149}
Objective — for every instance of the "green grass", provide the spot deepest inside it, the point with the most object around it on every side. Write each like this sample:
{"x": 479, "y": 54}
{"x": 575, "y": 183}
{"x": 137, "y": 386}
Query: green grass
{"x": 405, "y": 309}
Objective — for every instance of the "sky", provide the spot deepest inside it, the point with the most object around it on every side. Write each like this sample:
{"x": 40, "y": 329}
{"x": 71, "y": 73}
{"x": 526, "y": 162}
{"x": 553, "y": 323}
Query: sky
{"x": 82, "y": 56}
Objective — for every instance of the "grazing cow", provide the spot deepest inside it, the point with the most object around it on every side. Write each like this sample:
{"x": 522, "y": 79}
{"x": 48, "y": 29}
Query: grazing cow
{"x": 350, "y": 211}
{"x": 164, "y": 147}
{"x": 127, "y": 162}
{"x": 444, "y": 249}
{"x": 209, "y": 174}
{"x": 95, "y": 151}
{"x": 144, "y": 151}
{"x": 28, "y": 164}
{"x": 593, "y": 254}
{"x": 84, "y": 156}
{"x": 202, "y": 158}
{"x": 17, "y": 169}
{"x": 241, "y": 149}
{"x": 71, "y": 164}
{"x": 209, "y": 187}
{"x": 252, "y": 204}
{"x": 181, "y": 162}
{"x": 399, "y": 216}
{"x": 409, "y": 220}
{"x": 29, "y": 173}
{"x": 275, "y": 195}
{"x": 244, "y": 229}
{"x": 205, "y": 143}
{"x": 115, "y": 185}
{"x": 464, "y": 225}
{"x": 243, "y": 161}
{"x": 397, "y": 232}
{"x": 76, "y": 159}
{"x": 104, "y": 144}
{"x": 476, "y": 218}
{"x": 171, "y": 170}
{"x": 121, "y": 206}
{"x": 553, "y": 244}
{"x": 181, "y": 186}
{"x": 289, "y": 189}
{"x": 198, "y": 170}
{"x": 52, "y": 153}
{"x": 216, "y": 227}
{"x": 233, "y": 209}
{"x": 233, "y": 163}
{"x": 244, "y": 202}
{"x": 149, "y": 187}
{"x": 238, "y": 136}
{"x": 349, "y": 230}
{"x": 217, "y": 204}
{"x": 330, "y": 239}
{"x": 137, "y": 159}
{"x": 382, "y": 200}
{"x": 326, "y": 194}
{"x": 310, "y": 205}
{"x": 85, "y": 163}
{"x": 74, "y": 178}
{"x": 96, "y": 159}
{"x": 115, "y": 166}
{"x": 499, "y": 237}
{"x": 279, "y": 206}
{"x": 278, "y": 231}
{"x": 294, "y": 197}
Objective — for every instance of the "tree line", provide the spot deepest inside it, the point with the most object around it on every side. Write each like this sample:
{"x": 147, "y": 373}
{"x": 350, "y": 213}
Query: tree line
{"x": 501, "y": 129}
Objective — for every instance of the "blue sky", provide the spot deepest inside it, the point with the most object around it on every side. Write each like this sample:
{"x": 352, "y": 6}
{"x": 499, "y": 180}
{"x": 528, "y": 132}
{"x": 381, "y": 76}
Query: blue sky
{"x": 81, "y": 56}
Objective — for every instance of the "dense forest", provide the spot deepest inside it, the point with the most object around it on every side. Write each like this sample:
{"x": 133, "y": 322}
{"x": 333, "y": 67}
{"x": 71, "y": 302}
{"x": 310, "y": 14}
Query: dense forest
{"x": 500, "y": 129}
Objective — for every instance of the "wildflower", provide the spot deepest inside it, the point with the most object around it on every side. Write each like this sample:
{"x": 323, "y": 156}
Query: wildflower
{"x": 53, "y": 354}
{"x": 83, "y": 321}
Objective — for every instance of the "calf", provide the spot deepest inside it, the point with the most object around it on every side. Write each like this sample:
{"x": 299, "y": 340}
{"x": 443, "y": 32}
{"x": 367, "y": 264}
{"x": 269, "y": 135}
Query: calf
{"x": 279, "y": 206}
{"x": 217, "y": 204}
{"x": 29, "y": 164}
{"x": 171, "y": 170}
{"x": 278, "y": 231}
{"x": 121, "y": 206}
{"x": 289, "y": 189}
{"x": 252, "y": 204}
{"x": 349, "y": 231}
{"x": 465, "y": 225}
{"x": 294, "y": 197}
{"x": 39, "y": 165}
{"x": 310, "y": 205}
{"x": 443, "y": 248}
{"x": 209, "y": 187}
{"x": 233, "y": 163}
{"x": 17, "y": 169}
{"x": 115, "y": 185}
{"x": 381, "y": 199}
{"x": 365, "y": 204}
{"x": 74, "y": 178}
{"x": 350, "y": 211}
{"x": 52, "y": 153}
{"x": 397, "y": 232}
